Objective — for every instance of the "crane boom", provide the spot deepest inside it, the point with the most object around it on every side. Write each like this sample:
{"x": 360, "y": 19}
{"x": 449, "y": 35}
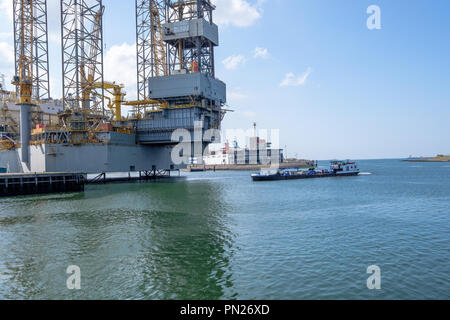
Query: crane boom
{"x": 87, "y": 82}
{"x": 158, "y": 45}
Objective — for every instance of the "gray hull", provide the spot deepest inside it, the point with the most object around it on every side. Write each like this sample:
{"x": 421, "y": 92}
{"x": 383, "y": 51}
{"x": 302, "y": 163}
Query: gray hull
{"x": 119, "y": 153}
{"x": 278, "y": 177}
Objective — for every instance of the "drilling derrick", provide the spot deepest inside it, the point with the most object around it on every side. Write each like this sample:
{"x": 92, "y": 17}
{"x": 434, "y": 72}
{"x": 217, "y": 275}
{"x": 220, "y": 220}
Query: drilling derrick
{"x": 31, "y": 41}
{"x": 188, "y": 49}
{"x": 177, "y": 89}
{"x": 41, "y": 75}
{"x": 24, "y": 47}
{"x": 82, "y": 51}
{"x": 190, "y": 35}
{"x": 190, "y": 96}
{"x": 150, "y": 48}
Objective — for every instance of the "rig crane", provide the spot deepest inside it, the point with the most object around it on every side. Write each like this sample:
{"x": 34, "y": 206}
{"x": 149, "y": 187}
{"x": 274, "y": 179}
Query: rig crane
{"x": 88, "y": 82}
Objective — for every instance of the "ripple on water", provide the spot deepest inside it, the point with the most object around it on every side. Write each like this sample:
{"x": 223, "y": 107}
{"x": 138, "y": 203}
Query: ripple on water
{"x": 219, "y": 235}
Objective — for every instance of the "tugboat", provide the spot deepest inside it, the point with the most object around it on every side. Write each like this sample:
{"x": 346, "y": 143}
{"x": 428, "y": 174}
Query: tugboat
{"x": 337, "y": 169}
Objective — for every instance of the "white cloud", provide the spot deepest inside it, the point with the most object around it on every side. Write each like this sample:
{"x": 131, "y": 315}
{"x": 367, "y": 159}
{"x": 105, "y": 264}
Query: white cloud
{"x": 261, "y": 53}
{"x": 6, "y": 35}
{"x": 120, "y": 67}
{"x": 232, "y": 62}
{"x": 249, "y": 114}
{"x": 6, "y": 53}
{"x": 54, "y": 37}
{"x": 6, "y": 8}
{"x": 7, "y": 63}
{"x": 291, "y": 80}
{"x": 233, "y": 96}
{"x": 239, "y": 13}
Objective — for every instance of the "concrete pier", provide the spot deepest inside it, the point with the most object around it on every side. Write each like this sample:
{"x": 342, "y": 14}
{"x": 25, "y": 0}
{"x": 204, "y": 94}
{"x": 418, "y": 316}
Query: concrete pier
{"x": 40, "y": 183}
{"x": 141, "y": 176}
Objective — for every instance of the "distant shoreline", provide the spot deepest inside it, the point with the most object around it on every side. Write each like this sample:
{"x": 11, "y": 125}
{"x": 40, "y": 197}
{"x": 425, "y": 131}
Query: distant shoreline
{"x": 430, "y": 159}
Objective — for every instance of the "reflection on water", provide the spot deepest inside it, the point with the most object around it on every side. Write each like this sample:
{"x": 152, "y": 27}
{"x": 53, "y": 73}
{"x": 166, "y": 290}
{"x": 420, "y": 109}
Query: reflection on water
{"x": 220, "y": 235}
{"x": 149, "y": 241}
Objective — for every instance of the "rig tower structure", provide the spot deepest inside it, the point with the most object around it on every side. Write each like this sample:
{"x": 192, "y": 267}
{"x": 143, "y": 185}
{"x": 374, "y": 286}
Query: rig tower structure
{"x": 176, "y": 72}
{"x": 178, "y": 91}
{"x": 191, "y": 94}
{"x": 82, "y": 52}
{"x": 150, "y": 48}
{"x": 31, "y": 41}
{"x": 195, "y": 52}
{"x": 24, "y": 45}
{"x": 31, "y": 55}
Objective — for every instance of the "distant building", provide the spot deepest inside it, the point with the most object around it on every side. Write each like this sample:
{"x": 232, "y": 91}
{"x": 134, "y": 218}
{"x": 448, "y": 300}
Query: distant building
{"x": 260, "y": 152}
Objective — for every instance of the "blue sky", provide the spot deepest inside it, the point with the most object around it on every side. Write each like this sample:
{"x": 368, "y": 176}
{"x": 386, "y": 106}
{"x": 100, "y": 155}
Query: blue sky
{"x": 351, "y": 93}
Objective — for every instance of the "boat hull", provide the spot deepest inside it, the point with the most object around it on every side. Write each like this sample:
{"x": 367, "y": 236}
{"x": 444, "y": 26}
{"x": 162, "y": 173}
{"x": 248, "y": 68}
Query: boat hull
{"x": 300, "y": 177}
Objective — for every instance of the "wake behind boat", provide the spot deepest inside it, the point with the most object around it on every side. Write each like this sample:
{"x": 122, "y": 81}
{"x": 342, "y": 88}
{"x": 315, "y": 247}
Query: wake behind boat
{"x": 337, "y": 169}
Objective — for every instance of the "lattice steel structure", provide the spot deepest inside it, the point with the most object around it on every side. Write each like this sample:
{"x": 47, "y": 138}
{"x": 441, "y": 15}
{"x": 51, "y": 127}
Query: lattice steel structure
{"x": 178, "y": 10}
{"x": 194, "y": 53}
{"x": 82, "y": 52}
{"x": 41, "y": 76}
{"x": 24, "y": 47}
{"x": 150, "y": 48}
{"x": 35, "y": 44}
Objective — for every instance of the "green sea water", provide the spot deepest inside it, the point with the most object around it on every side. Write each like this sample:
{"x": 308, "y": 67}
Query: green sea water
{"x": 222, "y": 236}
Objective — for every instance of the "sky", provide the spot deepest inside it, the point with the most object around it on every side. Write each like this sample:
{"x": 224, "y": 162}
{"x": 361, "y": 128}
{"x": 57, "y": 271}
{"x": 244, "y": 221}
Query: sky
{"x": 311, "y": 69}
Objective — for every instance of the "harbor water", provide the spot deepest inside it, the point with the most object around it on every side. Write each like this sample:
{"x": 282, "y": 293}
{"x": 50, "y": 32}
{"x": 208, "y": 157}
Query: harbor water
{"x": 218, "y": 235}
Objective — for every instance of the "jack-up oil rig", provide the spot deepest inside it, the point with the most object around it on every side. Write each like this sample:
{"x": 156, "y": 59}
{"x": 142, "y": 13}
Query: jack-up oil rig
{"x": 177, "y": 89}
